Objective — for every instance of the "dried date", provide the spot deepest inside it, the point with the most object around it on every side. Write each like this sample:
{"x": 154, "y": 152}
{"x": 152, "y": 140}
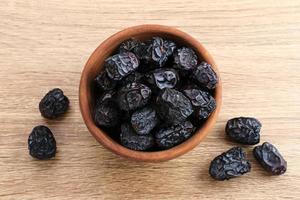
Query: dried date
{"x": 120, "y": 65}
{"x": 163, "y": 78}
{"x": 162, "y": 50}
{"x": 134, "y": 77}
{"x": 143, "y": 51}
{"x": 245, "y": 130}
{"x": 173, "y": 106}
{"x": 107, "y": 114}
{"x": 171, "y": 136}
{"x": 129, "y": 45}
{"x": 133, "y": 96}
{"x": 230, "y": 164}
{"x": 54, "y": 104}
{"x": 133, "y": 141}
{"x": 155, "y": 52}
{"x": 41, "y": 143}
{"x": 270, "y": 158}
{"x": 104, "y": 82}
{"x": 204, "y": 104}
{"x": 185, "y": 58}
{"x": 144, "y": 120}
{"x": 107, "y": 96}
{"x": 205, "y": 76}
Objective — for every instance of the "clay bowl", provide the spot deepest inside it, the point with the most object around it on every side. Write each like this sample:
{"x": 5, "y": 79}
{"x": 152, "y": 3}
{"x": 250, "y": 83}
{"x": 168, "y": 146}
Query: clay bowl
{"x": 94, "y": 66}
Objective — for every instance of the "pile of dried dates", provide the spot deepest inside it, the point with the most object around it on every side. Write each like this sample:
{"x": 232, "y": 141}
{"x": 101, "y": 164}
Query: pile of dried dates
{"x": 233, "y": 163}
{"x": 154, "y": 94}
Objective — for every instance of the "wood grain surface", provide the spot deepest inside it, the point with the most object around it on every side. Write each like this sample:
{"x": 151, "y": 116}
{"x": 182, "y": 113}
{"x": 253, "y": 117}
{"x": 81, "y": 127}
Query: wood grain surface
{"x": 45, "y": 44}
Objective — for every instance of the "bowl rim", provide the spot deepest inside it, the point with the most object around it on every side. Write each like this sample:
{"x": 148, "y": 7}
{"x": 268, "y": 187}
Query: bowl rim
{"x": 114, "y": 146}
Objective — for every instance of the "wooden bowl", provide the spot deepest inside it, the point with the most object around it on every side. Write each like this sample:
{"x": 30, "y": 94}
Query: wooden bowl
{"x": 94, "y": 66}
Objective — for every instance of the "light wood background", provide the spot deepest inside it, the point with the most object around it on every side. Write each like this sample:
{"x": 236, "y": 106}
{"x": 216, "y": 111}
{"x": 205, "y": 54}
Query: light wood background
{"x": 45, "y": 44}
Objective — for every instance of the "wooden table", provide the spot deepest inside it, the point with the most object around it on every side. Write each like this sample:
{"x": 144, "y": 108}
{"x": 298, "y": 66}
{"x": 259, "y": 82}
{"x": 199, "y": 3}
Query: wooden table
{"x": 45, "y": 44}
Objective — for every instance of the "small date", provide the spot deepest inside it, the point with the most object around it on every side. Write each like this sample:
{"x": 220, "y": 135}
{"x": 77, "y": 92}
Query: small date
{"x": 230, "y": 164}
{"x": 244, "y": 130}
{"x": 270, "y": 158}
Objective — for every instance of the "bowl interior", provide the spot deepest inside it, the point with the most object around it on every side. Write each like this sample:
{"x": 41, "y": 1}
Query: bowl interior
{"x": 95, "y": 65}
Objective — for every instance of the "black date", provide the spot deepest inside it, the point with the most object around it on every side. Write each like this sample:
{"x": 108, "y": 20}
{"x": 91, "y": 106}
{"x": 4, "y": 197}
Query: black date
{"x": 107, "y": 114}
{"x": 174, "y": 135}
{"x": 229, "y": 164}
{"x": 163, "y": 78}
{"x": 173, "y": 106}
{"x": 270, "y": 158}
{"x": 185, "y": 58}
{"x": 133, "y": 141}
{"x": 245, "y": 130}
{"x": 204, "y": 104}
{"x": 41, "y": 143}
{"x": 120, "y": 65}
{"x": 54, "y": 104}
{"x": 133, "y": 96}
{"x": 205, "y": 76}
{"x": 104, "y": 82}
{"x": 144, "y": 120}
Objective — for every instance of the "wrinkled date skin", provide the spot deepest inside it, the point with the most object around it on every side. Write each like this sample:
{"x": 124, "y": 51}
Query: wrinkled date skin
{"x": 120, "y": 65}
{"x": 162, "y": 50}
{"x": 54, "y": 104}
{"x": 173, "y": 106}
{"x": 41, "y": 143}
{"x": 244, "y": 130}
{"x": 270, "y": 158}
{"x": 134, "y": 141}
{"x": 229, "y": 164}
{"x": 104, "y": 82}
{"x": 129, "y": 45}
{"x": 156, "y": 51}
{"x": 144, "y": 120}
{"x": 163, "y": 78}
{"x": 107, "y": 114}
{"x": 131, "y": 78}
{"x": 205, "y": 76}
{"x": 107, "y": 96}
{"x": 204, "y": 104}
{"x": 143, "y": 51}
{"x": 174, "y": 135}
{"x": 185, "y": 58}
{"x": 133, "y": 96}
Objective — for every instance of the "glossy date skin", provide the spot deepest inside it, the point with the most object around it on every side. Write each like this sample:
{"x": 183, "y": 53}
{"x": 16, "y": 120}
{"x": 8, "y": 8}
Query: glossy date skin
{"x": 270, "y": 158}
{"x": 163, "y": 78}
